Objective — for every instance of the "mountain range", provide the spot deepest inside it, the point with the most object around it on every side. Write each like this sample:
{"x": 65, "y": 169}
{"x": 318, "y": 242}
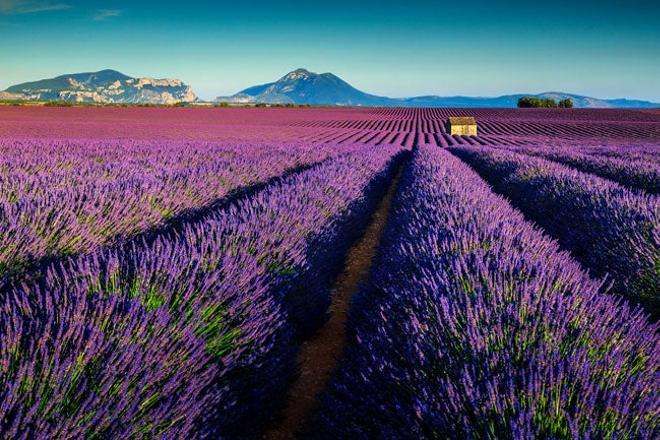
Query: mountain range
{"x": 304, "y": 87}
{"x": 104, "y": 87}
{"x": 297, "y": 87}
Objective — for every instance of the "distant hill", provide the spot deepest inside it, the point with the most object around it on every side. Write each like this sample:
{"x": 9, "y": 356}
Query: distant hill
{"x": 105, "y": 87}
{"x": 304, "y": 87}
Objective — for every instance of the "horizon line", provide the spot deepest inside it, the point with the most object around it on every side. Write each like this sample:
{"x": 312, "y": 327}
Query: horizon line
{"x": 493, "y": 96}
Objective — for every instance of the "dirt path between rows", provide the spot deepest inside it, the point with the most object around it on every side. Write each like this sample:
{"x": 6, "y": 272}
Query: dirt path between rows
{"x": 320, "y": 354}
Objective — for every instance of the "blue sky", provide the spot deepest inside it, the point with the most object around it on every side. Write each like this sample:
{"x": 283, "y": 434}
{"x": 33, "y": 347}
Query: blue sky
{"x": 606, "y": 48}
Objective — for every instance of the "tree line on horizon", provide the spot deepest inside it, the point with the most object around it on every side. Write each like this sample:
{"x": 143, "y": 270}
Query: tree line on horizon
{"x": 534, "y": 102}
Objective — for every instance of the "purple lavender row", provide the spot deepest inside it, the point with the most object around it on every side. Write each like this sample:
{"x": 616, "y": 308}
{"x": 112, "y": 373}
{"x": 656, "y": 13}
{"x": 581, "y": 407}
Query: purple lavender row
{"x": 650, "y": 153}
{"x": 611, "y": 230}
{"x": 60, "y": 199}
{"x": 74, "y": 365}
{"x": 638, "y": 174}
{"x": 476, "y": 325}
{"x": 191, "y": 334}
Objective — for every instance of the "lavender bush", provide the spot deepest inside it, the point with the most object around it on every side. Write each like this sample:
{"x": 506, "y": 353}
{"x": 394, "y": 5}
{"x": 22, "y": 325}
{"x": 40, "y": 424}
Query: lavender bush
{"x": 635, "y": 174}
{"x": 221, "y": 298}
{"x": 611, "y": 230}
{"x": 61, "y": 198}
{"x": 475, "y": 325}
{"x": 73, "y": 365}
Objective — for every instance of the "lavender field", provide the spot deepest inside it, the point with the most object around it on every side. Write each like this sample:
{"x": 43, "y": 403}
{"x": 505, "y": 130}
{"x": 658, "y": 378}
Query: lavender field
{"x": 336, "y": 273}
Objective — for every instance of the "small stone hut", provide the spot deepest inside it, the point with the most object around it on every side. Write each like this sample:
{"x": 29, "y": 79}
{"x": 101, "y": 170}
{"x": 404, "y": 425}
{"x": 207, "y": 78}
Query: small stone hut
{"x": 464, "y": 126}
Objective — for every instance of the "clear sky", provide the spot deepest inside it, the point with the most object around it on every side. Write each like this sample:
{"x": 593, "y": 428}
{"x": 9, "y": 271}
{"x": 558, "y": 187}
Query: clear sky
{"x": 606, "y": 48}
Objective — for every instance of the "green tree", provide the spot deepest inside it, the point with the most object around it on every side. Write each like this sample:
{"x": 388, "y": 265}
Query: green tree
{"x": 534, "y": 102}
{"x": 566, "y": 103}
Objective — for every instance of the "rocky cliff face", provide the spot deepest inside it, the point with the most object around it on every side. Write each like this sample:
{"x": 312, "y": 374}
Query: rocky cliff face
{"x": 104, "y": 87}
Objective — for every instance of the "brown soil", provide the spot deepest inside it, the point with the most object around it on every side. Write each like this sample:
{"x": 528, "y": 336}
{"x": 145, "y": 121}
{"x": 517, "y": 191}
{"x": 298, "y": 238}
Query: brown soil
{"x": 320, "y": 354}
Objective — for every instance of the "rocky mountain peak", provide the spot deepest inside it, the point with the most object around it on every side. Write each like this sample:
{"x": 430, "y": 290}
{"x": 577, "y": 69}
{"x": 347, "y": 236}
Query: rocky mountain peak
{"x": 105, "y": 86}
{"x": 298, "y": 74}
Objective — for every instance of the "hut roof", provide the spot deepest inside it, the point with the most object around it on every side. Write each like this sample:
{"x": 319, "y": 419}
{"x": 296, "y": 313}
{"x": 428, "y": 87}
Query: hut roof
{"x": 466, "y": 120}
